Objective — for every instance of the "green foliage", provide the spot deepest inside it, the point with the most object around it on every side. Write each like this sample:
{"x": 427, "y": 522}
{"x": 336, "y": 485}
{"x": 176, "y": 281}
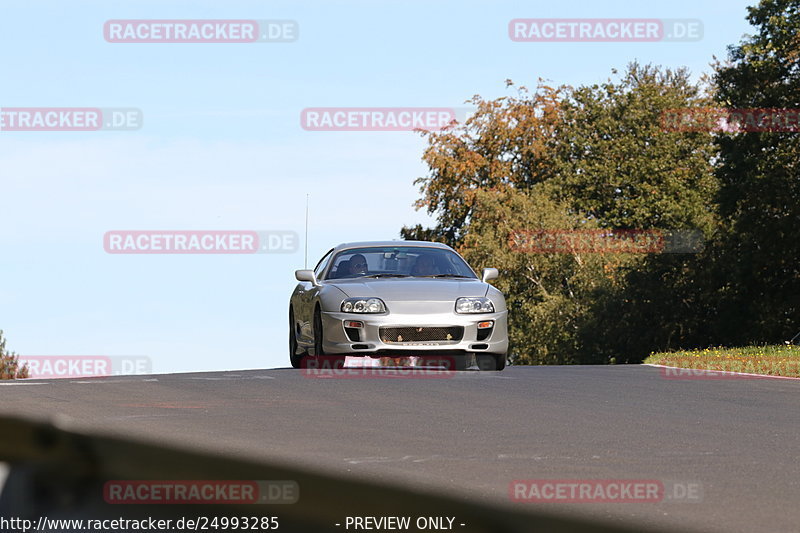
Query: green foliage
{"x": 9, "y": 363}
{"x": 599, "y": 157}
{"x": 617, "y": 163}
{"x": 586, "y": 158}
{"x": 547, "y": 294}
{"x": 780, "y": 360}
{"x": 621, "y": 167}
{"x": 505, "y": 142}
{"x": 756, "y": 270}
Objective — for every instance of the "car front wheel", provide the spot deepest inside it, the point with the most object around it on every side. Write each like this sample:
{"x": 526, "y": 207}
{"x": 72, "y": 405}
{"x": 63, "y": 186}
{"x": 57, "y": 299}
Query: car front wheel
{"x": 317, "y": 332}
{"x": 329, "y": 361}
{"x": 295, "y": 358}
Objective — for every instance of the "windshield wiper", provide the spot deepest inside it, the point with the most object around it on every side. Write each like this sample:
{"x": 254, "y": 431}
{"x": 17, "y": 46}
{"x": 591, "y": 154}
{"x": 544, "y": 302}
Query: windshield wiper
{"x": 446, "y": 276}
{"x": 386, "y": 275}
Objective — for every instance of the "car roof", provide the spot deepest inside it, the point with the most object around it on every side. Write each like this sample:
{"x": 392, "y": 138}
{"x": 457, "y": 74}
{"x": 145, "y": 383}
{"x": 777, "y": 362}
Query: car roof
{"x": 377, "y": 244}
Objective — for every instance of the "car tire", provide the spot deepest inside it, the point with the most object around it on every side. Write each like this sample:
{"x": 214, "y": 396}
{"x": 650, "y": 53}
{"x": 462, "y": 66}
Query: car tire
{"x": 330, "y": 361}
{"x": 295, "y": 358}
{"x": 491, "y": 362}
{"x": 318, "y": 332}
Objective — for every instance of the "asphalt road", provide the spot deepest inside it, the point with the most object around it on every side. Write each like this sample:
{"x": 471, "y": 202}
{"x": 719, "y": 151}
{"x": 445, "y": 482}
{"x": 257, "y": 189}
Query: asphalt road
{"x": 734, "y": 443}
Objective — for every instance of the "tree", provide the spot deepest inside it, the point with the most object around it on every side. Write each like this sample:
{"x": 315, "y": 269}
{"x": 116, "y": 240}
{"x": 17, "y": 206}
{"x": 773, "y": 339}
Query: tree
{"x": 9, "y": 363}
{"x": 506, "y": 141}
{"x": 759, "y": 175}
{"x": 591, "y": 157}
{"x": 548, "y": 294}
{"x": 620, "y": 165}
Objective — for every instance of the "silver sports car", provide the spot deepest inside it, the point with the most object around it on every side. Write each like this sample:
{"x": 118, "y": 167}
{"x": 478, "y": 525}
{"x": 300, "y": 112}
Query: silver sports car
{"x": 394, "y": 299}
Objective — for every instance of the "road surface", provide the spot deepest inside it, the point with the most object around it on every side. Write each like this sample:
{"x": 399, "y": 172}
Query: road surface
{"x": 733, "y": 443}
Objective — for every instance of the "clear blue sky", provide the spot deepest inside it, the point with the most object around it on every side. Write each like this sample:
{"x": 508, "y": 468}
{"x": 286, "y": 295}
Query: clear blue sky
{"x": 222, "y": 148}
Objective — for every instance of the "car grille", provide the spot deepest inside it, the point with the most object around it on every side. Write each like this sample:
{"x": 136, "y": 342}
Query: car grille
{"x": 422, "y": 334}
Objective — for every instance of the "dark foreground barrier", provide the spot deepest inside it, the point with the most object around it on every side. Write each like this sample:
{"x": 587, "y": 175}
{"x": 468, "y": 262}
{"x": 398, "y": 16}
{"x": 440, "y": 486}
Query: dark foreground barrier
{"x": 109, "y": 483}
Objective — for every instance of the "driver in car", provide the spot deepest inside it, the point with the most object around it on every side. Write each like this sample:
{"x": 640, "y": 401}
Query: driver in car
{"x": 358, "y": 265}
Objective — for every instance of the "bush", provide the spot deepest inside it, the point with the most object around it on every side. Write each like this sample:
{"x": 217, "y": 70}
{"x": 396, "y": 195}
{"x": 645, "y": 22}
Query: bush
{"x": 9, "y": 363}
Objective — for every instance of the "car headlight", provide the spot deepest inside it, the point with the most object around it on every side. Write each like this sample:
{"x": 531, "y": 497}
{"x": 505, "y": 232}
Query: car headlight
{"x": 474, "y": 305}
{"x": 363, "y": 305}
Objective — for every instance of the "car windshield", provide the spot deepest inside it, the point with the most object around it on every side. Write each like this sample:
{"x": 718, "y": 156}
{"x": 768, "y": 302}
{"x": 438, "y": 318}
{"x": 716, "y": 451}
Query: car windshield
{"x": 398, "y": 261}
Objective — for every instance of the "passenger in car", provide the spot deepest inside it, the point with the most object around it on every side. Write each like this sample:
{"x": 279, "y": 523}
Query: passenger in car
{"x": 342, "y": 270}
{"x": 424, "y": 266}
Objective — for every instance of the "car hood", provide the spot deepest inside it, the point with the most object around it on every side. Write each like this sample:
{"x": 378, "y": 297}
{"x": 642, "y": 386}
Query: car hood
{"x": 412, "y": 289}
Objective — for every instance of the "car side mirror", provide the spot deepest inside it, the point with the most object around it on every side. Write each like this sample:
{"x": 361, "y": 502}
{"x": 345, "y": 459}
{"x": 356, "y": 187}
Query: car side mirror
{"x": 306, "y": 275}
{"x": 489, "y": 273}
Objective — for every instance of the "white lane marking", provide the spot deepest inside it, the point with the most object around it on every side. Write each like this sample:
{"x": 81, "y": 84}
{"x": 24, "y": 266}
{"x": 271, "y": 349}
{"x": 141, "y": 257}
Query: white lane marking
{"x": 361, "y": 460}
{"x": 128, "y": 417}
{"x": 514, "y": 456}
{"x": 231, "y": 379}
{"x": 99, "y": 380}
{"x": 404, "y": 459}
{"x": 424, "y": 459}
{"x": 482, "y": 375}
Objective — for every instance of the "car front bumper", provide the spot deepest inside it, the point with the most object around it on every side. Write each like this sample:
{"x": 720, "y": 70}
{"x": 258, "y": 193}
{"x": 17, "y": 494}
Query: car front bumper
{"x": 336, "y": 340}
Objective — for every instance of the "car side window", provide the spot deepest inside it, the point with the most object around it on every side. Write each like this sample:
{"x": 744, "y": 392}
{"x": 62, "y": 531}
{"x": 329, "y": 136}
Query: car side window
{"x": 323, "y": 263}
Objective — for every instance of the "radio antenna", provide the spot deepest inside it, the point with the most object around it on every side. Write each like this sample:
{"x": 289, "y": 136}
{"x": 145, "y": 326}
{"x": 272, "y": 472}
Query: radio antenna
{"x": 305, "y": 261}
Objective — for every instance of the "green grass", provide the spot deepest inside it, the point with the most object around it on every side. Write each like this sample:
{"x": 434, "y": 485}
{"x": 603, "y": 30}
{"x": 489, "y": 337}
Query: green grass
{"x": 781, "y": 360}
